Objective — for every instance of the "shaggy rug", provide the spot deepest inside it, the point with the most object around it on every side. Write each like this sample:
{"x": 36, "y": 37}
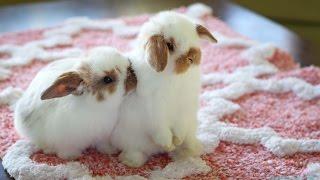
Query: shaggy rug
{"x": 259, "y": 116}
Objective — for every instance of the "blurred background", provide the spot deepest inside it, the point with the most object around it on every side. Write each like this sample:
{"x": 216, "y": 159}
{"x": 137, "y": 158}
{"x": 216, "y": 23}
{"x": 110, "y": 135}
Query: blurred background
{"x": 300, "y": 17}
{"x": 303, "y": 17}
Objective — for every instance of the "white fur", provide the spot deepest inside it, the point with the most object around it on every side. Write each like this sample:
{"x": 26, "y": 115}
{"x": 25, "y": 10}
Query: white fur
{"x": 165, "y": 104}
{"x": 69, "y": 124}
{"x": 198, "y": 10}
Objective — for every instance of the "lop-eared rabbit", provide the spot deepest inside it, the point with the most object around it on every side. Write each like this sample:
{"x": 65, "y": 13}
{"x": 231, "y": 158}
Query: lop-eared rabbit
{"x": 73, "y": 103}
{"x": 161, "y": 115}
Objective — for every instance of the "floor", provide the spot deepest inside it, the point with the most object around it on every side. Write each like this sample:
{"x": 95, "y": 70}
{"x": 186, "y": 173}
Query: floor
{"x": 25, "y": 16}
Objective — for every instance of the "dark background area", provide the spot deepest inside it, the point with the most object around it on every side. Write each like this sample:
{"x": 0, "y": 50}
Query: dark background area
{"x": 303, "y": 17}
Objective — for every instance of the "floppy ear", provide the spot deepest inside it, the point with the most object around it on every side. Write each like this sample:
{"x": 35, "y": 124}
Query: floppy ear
{"x": 205, "y": 33}
{"x": 65, "y": 84}
{"x": 157, "y": 52}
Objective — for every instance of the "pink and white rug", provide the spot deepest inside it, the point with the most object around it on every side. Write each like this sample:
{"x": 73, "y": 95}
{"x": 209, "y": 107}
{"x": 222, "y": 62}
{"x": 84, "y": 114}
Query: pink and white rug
{"x": 259, "y": 117}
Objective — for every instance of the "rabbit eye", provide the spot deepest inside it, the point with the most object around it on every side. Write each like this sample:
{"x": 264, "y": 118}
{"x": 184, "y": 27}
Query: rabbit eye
{"x": 107, "y": 80}
{"x": 190, "y": 60}
{"x": 170, "y": 46}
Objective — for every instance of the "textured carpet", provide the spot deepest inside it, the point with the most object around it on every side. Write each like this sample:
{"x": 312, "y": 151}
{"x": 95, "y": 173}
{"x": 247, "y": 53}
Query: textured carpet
{"x": 259, "y": 117}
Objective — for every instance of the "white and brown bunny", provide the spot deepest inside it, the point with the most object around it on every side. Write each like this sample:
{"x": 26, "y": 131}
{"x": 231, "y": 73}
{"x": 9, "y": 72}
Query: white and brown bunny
{"x": 73, "y": 103}
{"x": 161, "y": 115}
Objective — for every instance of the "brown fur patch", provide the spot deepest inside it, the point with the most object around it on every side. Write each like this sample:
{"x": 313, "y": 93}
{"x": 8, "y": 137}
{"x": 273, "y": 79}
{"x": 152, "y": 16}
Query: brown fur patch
{"x": 205, "y": 33}
{"x": 171, "y": 44}
{"x": 99, "y": 87}
{"x": 66, "y": 84}
{"x": 95, "y": 82}
{"x": 195, "y": 55}
{"x": 131, "y": 80}
{"x": 113, "y": 86}
{"x": 86, "y": 73}
{"x": 100, "y": 96}
{"x": 192, "y": 57}
{"x": 157, "y": 50}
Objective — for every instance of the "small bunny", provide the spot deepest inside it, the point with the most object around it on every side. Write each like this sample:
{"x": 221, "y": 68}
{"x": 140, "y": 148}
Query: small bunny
{"x": 73, "y": 103}
{"x": 162, "y": 113}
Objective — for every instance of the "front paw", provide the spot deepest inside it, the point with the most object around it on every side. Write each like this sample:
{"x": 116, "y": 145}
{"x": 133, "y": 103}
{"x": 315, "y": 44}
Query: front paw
{"x": 106, "y": 148}
{"x": 164, "y": 140}
{"x": 133, "y": 159}
{"x": 191, "y": 148}
{"x": 177, "y": 141}
{"x": 179, "y": 135}
{"x": 169, "y": 148}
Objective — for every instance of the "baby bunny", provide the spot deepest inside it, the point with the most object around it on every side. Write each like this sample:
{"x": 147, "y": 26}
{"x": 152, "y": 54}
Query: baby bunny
{"x": 162, "y": 113}
{"x": 73, "y": 103}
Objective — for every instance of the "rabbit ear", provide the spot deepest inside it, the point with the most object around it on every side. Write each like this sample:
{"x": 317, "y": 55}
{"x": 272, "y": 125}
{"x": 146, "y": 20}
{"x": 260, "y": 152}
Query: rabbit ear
{"x": 131, "y": 79}
{"x": 157, "y": 52}
{"x": 65, "y": 84}
{"x": 205, "y": 33}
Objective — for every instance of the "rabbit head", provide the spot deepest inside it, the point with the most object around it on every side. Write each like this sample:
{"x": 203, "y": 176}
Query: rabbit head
{"x": 102, "y": 73}
{"x": 171, "y": 42}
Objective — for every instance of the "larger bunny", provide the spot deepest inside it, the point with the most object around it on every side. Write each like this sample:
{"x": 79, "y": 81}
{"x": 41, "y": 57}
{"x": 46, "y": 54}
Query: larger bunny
{"x": 73, "y": 103}
{"x": 162, "y": 113}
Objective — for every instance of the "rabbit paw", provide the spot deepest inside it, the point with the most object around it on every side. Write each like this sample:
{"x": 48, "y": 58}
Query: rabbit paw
{"x": 164, "y": 140}
{"x": 177, "y": 141}
{"x": 169, "y": 148}
{"x": 69, "y": 155}
{"x": 179, "y": 135}
{"x": 48, "y": 151}
{"x": 106, "y": 148}
{"x": 45, "y": 148}
{"x": 192, "y": 148}
{"x": 133, "y": 159}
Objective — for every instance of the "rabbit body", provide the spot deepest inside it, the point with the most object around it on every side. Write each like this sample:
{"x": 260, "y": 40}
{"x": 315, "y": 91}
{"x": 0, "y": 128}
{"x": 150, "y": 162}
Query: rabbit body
{"x": 67, "y": 125}
{"x": 162, "y": 108}
{"x": 161, "y": 115}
